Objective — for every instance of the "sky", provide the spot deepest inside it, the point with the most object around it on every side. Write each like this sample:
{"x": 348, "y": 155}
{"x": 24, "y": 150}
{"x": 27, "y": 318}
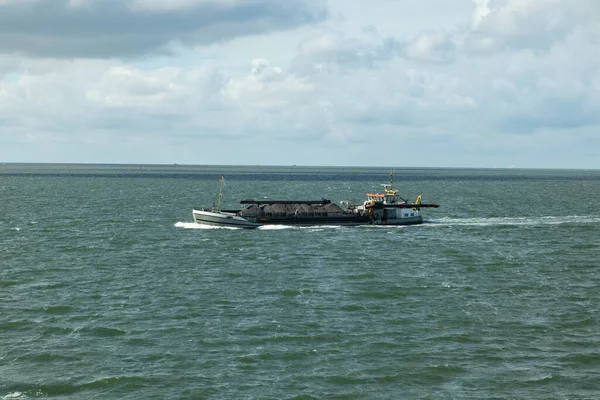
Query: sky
{"x": 430, "y": 83}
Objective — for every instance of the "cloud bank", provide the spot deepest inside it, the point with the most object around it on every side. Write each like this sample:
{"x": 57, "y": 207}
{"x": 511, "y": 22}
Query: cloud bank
{"x": 506, "y": 82}
{"x": 133, "y": 28}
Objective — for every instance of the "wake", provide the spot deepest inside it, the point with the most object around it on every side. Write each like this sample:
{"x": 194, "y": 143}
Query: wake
{"x": 194, "y": 225}
{"x": 516, "y": 221}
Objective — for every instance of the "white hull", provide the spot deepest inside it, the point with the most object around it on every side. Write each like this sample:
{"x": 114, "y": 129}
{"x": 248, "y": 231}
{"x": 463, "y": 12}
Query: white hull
{"x": 222, "y": 219}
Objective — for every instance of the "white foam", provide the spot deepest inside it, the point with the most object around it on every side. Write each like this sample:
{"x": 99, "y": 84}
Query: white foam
{"x": 194, "y": 225}
{"x": 515, "y": 221}
{"x": 274, "y": 227}
{"x": 311, "y": 227}
{"x": 14, "y": 395}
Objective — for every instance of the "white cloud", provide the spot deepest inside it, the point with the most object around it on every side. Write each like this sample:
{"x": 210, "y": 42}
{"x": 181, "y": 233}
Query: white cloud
{"x": 480, "y": 12}
{"x": 532, "y": 24}
{"x": 332, "y": 52}
{"x": 128, "y": 87}
{"x": 267, "y": 87}
{"x": 432, "y": 47}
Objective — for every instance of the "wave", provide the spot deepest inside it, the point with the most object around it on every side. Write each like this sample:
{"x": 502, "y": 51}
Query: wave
{"x": 194, "y": 225}
{"x": 14, "y": 395}
{"x": 516, "y": 221}
{"x": 310, "y": 227}
{"x": 64, "y": 389}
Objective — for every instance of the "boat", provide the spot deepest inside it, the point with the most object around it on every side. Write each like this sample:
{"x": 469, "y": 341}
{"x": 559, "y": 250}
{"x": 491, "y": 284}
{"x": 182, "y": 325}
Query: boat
{"x": 218, "y": 217}
{"x": 386, "y": 208}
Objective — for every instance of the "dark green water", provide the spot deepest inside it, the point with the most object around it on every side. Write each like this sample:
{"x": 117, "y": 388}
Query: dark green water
{"x": 109, "y": 291}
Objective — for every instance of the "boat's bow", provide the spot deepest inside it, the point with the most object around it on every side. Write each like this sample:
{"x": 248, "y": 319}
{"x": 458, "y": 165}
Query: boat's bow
{"x": 221, "y": 218}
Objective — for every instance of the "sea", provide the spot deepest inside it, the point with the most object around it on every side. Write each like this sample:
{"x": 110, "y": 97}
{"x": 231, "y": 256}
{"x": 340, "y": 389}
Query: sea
{"x": 109, "y": 290}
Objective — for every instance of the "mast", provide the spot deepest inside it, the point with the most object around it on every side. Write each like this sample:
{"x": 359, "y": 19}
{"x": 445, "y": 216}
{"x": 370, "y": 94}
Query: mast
{"x": 221, "y": 181}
